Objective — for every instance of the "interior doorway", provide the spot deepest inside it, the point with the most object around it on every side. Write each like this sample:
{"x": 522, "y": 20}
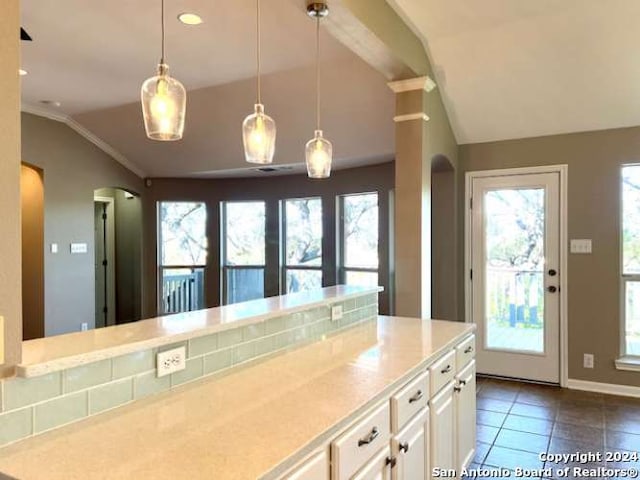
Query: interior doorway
{"x": 32, "y": 209}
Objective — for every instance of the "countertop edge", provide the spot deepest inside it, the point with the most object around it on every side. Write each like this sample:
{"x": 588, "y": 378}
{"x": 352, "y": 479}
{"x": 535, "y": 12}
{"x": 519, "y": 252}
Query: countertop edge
{"x": 63, "y": 363}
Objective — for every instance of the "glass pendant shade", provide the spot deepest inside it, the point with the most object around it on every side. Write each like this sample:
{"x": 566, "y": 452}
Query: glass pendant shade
{"x": 318, "y": 153}
{"x": 164, "y": 103}
{"x": 259, "y": 136}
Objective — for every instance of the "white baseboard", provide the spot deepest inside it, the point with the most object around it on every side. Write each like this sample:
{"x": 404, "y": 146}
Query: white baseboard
{"x": 608, "y": 388}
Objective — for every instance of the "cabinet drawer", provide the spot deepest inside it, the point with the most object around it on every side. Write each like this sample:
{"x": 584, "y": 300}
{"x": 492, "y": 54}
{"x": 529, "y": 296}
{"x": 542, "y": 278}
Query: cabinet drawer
{"x": 442, "y": 371}
{"x": 358, "y": 445}
{"x": 466, "y": 351}
{"x": 410, "y": 400}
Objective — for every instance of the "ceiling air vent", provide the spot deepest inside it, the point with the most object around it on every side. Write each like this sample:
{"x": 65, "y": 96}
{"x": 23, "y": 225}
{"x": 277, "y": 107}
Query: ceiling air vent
{"x": 273, "y": 169}
{"x": 24, "y": 35}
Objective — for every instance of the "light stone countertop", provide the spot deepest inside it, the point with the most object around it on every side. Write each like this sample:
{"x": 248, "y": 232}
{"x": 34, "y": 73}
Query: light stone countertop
{"x": 254, "y": 422}
{"x": 51, "y": 354}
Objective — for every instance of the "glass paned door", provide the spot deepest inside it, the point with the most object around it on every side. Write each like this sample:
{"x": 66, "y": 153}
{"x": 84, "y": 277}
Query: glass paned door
{"x": 514, "y": 269}
{"x": 515, "y": 275}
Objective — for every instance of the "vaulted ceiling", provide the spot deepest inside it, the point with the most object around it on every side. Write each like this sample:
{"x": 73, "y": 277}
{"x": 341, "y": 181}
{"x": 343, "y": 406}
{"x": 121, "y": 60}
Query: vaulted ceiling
{"x": 92, "y": 57}
{"x": 521, "y": 68}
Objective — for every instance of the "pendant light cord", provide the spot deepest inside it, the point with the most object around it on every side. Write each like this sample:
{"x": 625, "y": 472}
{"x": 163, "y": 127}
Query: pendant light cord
{"x": 317, "y": 73}
{"x": 162, "y": 29}
{"x": 258, "y": 32}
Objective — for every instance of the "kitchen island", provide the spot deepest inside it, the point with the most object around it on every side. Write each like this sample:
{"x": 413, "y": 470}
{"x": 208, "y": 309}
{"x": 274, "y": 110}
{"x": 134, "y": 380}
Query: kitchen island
{"x": 264, "y": 417}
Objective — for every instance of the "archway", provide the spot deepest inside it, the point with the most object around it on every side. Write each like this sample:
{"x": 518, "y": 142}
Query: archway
{"x": 443, "y": 239}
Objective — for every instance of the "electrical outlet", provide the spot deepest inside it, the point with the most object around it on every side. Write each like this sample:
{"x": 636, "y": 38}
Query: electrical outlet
{"x": 336, "y": 313}
{"x": 588, "y": 360}
{"x": 84, "y": 327}
{"x": 171, "y": 361}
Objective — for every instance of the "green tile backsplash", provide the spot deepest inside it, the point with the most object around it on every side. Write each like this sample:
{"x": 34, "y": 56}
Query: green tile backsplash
{"x": 33, "y": 405}
{"x": 60, "y": 411}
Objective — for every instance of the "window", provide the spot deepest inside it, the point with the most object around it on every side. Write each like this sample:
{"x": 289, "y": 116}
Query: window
{"x": 182, "y": 256}
{"x": 359, "y": 239}
{"x": 302, "y": 247}
{"x": 631, "y": 258}
{"x": 243, "y": 251}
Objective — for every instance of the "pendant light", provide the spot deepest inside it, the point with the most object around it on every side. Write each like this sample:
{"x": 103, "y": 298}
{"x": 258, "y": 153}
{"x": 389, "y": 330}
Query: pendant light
{"x": 164, "y": 101}
{"x": 318, "y": 151}
{"x": 258, "y": 129}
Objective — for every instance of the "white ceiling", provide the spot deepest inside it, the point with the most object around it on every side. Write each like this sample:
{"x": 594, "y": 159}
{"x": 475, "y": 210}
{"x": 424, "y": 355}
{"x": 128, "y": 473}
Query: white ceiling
{"x": 92, "y": 57}
{"x": 523, "y": 68}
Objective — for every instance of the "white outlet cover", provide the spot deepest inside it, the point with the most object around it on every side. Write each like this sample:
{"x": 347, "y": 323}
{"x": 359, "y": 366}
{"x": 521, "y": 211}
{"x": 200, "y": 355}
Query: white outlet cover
{"x": 54, "y": 248}
{"x": 171, "y": 361}
{"x": 588, "y": 361}
{"x": 336, "y": 313}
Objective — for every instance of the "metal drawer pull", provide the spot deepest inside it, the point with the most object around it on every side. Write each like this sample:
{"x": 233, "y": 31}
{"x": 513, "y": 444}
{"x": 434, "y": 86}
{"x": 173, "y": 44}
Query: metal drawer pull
{"x": 370, "y": 438}
{"x": 469, "y": 349}
{"x": 416, "y": 397}
{"x": 457, "y": 389}
{"x": 446, "y": 369}
{"x": 463, "y": 382}
{"x": 404, "y": 447}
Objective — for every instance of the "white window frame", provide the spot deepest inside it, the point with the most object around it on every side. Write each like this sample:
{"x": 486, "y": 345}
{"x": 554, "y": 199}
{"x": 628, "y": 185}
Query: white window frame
{"x": 342, "y": 267}
{"x": 626, "y": 361}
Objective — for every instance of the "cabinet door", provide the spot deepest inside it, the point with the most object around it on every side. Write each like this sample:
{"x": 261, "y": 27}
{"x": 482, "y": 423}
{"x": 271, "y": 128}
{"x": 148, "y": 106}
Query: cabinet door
{"x": 465, "y": 399}
{"x": 314, "y": 468}
{"x": 410, "y": 449}
{"x": 442, "y": 429}
{"x": 378, "y": 468}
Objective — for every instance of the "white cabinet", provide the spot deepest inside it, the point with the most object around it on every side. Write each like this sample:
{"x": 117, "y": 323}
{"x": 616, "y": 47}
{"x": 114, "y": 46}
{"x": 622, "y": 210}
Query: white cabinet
{"x": 410, "y": 449}
{"x": 442, "y": 429}
{"x": 465, "y": 400}
{"x": 378, "y": 468}
{"x": 316, "y": 467}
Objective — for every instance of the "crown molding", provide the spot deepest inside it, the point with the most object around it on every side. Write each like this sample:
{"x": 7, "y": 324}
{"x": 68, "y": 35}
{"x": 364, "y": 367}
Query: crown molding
{"x": 411, "y": 116}
{"x": 84, "y": 132}
{"x": 420, "y": 83}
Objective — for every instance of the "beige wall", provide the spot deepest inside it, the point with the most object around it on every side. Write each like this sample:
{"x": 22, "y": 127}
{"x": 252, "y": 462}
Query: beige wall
{"x": 10, "y": 256}
{"x": 73, "y": 168}
{"x": 594, "y": 160}
{"x": 32, "y": 194}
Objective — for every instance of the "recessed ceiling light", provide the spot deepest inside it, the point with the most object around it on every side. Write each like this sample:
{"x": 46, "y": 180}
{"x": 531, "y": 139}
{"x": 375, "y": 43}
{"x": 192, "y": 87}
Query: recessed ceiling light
{"x": 190, "y": 18}
{"x": 51, "y": 103}
{"x": 22, "y": 72}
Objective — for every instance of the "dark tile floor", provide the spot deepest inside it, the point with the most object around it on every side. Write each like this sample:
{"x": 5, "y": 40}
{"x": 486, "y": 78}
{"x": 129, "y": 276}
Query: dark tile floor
{"x": 518, "y": 421}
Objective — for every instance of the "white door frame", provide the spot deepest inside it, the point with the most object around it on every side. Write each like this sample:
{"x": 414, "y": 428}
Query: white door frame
{"x": 563, "y": 171}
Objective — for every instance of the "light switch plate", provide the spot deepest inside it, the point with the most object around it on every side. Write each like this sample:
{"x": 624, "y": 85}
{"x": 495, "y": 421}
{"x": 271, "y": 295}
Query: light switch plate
{"x": 54, "y": 248}
{"x": 171, "y": 361}
{"x": 1, "y": 339}
{"x": 79, "y": 248}
{"x": 581, "y": 246}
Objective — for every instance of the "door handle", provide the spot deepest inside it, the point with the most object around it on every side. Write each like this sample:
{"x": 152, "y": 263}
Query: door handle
{"x": 552, "y": 273}
{"x": 552, "y": 289}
